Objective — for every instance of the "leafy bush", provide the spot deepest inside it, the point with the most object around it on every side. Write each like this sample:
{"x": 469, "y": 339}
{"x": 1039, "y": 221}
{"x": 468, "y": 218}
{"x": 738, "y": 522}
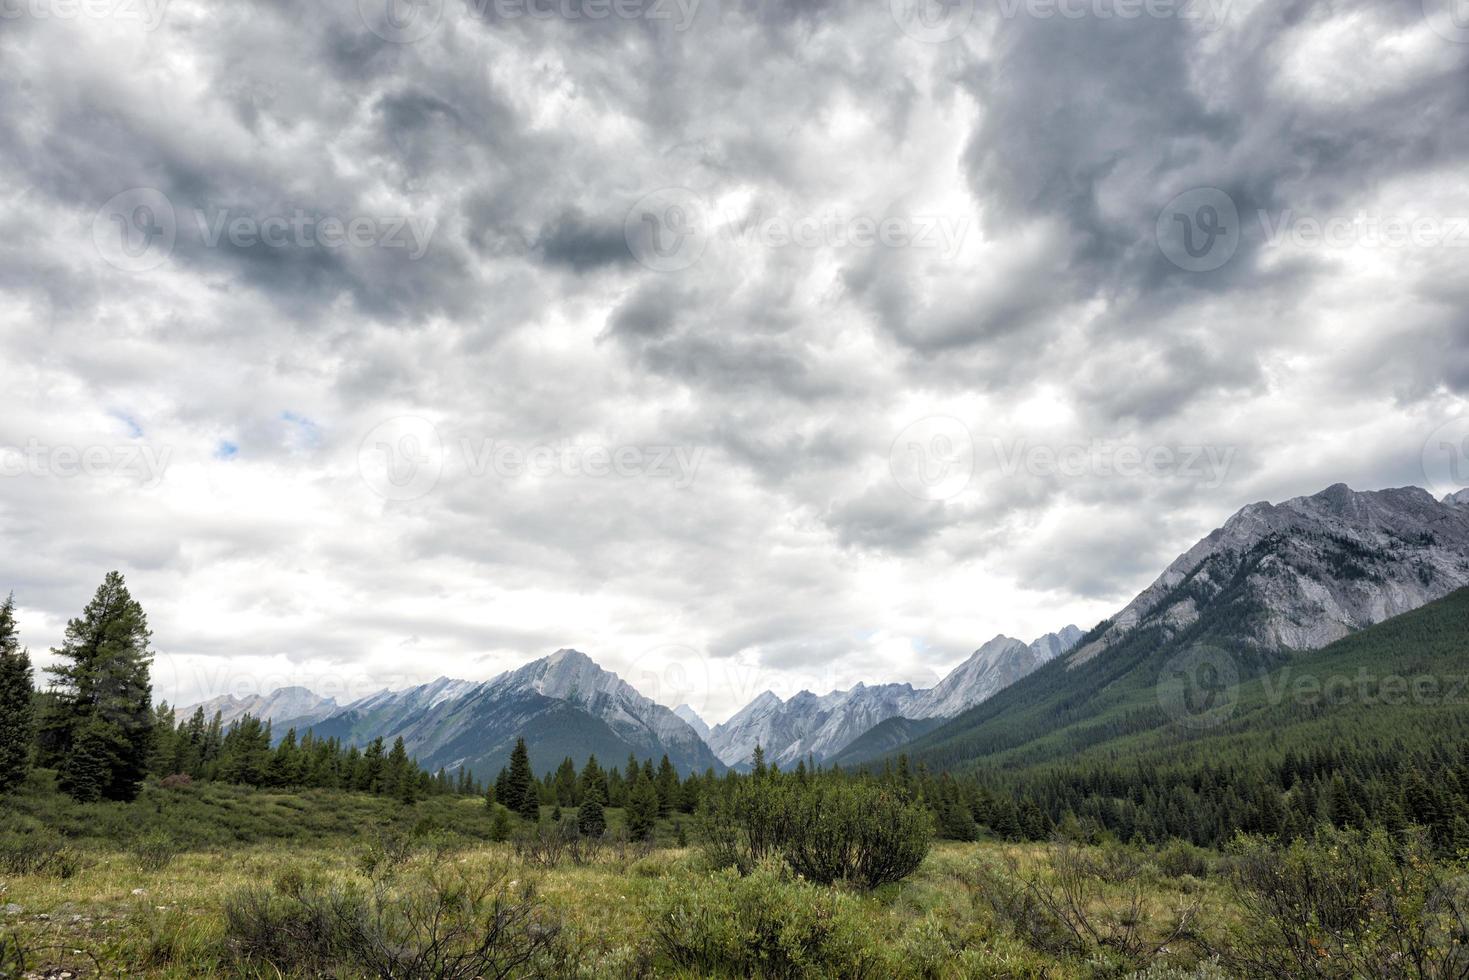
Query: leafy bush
{"x": 764, "y": 925}
{"x": 1348, "y": 904}
{"x": 444, "y": 925}
{"x": 1086, "y": 904}
{"x": 1179, "y": 859}
{"x": 154, "y": 850}
{"x": 827, "y": 830}
{"x": 37, "y": 853}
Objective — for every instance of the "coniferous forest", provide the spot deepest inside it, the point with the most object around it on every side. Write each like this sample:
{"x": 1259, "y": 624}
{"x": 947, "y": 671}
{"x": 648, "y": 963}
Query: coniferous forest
{"x": 1330, "y": 837}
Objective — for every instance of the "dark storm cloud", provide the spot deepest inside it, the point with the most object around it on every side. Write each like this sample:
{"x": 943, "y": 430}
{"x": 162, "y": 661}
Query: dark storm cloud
{"x": 1053, "y": 145}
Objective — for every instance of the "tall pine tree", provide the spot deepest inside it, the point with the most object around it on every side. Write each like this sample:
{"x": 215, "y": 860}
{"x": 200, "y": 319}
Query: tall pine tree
{"x": 521, "y": 793}
{"x": 98, "y": 727}
{"x": 15, "y": 701}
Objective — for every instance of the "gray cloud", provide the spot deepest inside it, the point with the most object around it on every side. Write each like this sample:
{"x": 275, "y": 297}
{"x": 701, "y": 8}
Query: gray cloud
{"x": 1050, "y": 319}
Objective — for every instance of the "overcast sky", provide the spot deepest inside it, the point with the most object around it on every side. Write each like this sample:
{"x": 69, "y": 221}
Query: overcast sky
{"x": 741, "y": 345}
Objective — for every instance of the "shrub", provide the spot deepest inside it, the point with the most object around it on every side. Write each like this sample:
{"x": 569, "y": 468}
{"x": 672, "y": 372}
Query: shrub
{"x": 1346, "y": 904}
{"x": 828, "y": 830}
{"x": 1072, "y": 908}
{"x": 764, "y": 925}
{"x": 1180, "y": 859}
{"x": 37, "y": 853}
{"x": 444, "y": 925}
{"x": 590, "y": 819}
{"x": 154, "y": 850}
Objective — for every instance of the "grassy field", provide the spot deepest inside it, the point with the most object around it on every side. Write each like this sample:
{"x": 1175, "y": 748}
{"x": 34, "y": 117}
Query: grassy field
{"x": 215, "y": 881}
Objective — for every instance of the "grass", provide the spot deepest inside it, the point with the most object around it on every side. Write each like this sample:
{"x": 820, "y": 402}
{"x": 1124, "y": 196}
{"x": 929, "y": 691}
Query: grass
{"x": 147, "y": 904}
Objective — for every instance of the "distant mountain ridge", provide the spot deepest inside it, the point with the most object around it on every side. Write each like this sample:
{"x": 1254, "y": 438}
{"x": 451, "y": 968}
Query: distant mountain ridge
{"x": 286, "y": 705}
{"x": 1273, "y": 583}
{"x": 562, "y": 705}
{"x": 819, "y": 727}
{"x": 1318, "y": 567}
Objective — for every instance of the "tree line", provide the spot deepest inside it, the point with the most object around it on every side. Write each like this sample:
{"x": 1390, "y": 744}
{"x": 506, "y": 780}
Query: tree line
{"x": 97, "y": 727}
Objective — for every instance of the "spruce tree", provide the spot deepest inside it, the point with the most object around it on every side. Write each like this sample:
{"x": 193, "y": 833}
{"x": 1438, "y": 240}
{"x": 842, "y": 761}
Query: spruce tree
{"x": 592, "y": 782}
{"x": 642, "y": 809}
{"x": 15, "y": 702}
{"x": 98, "y": 729}
{"x": 590, "y": 819}
{"x": 521, "y": 793}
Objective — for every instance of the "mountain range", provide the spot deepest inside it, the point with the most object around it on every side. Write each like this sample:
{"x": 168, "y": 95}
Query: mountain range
{"x": 817, "y": 727}
{"x": 1272, "y": 584}
{"x": 1275, "y": 580}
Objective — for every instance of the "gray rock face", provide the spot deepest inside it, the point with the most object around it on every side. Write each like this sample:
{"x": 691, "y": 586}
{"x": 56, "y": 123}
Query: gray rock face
{"x": 993, "y": 667}
{"x": 691, "y": 716}
{"x": 288, "y": 705}
{"x": 564, "y": 704}
{"x": 821, "y": 726}
{"x": 1312, "y": 569}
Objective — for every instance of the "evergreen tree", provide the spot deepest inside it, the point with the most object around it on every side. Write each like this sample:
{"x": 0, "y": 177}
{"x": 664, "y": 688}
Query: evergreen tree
{"x": 757, "y": 761}
{"x": 521, "y": 792}
{"x": 565, "y": 783}
{"x": 98, "y": 729}
{"x": 593, "y": 783}
{"x": 590, "y": 819}
{"x": 667, "y": 785}
{"x": 500, "y": 826}
{"x": 16, "y": 698}
{"x": 642, "y": 809}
